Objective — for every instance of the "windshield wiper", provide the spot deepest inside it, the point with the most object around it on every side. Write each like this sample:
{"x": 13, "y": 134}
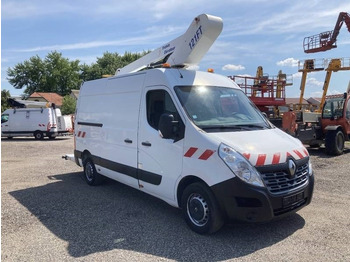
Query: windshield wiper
{"x": 222, "y": 127}
{"x": 252, "y": 126}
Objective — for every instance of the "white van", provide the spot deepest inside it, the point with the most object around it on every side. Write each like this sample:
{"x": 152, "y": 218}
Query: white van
{"x": 194, "y": 140}
{"x": 37, "y": 122}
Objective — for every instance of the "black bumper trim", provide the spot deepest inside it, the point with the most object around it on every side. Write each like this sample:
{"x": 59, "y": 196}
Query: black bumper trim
{"x": 241, "y": 201}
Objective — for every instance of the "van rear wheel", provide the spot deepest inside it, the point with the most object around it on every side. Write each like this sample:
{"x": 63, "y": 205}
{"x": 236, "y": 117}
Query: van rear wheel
{"x": 38, "y": 135}
{"x": 200, "y": 209}
{"x": 90, "y": 174}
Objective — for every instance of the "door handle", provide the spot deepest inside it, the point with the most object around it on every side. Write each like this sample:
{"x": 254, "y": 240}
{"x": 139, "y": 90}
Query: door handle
{"x": 146, "y": 144}
{"x": 128, "y": 141}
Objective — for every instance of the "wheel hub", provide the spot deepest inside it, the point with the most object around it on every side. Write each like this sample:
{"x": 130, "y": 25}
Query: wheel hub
{"x": 89, "y": 172}
{"x": 197, "y": 209}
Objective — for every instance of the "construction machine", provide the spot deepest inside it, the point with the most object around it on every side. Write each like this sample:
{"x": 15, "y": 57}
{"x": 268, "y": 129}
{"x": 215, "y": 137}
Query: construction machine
{"x": 326, "y": 40}
{"x": 330, "y": 127}
{"x": 267, "y": 93}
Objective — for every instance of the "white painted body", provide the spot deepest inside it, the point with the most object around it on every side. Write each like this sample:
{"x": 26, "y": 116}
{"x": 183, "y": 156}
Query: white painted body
{"x": 112, "y": 111}
{"x": 64, "y": 123}
{"x": 27, "y": 121}
{"x": 185, "y": 50}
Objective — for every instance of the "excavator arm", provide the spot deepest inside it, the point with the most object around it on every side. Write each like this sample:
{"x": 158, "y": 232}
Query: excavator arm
{"x": 326, "y": 40}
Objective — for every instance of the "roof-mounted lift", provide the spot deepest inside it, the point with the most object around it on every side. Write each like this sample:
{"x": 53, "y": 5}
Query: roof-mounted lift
{"x": 185, "y": 50}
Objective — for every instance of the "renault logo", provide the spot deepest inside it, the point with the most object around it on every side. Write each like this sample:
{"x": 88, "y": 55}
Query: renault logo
{"x": 291, "y": 167}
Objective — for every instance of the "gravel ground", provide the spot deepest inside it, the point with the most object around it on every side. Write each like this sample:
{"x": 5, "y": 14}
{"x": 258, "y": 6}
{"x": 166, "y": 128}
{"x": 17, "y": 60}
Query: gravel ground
{"x": 50, "y": 214}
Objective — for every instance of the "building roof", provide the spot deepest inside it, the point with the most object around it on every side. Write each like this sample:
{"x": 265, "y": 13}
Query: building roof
{"x": 49, "y": 97}
{"x": 295, "y": 101}
{"x": 310, "y": 101}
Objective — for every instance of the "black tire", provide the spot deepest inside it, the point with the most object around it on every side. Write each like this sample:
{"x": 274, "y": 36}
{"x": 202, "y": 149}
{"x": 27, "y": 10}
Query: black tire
{"x": 335, "y": 142}
{"x": 38, "y": 135}
{"x": 52, "y": 137}
{"x": 200, "y": 209}
{"x": 91, "y": 176}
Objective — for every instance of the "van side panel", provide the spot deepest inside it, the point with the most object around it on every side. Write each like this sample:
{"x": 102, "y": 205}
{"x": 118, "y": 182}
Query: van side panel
{"x": 106, "y": 125}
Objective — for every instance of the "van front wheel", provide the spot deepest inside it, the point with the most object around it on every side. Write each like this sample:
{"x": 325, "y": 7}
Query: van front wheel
{"x": 200, "y": 209}
{"x": 90, "y": 174}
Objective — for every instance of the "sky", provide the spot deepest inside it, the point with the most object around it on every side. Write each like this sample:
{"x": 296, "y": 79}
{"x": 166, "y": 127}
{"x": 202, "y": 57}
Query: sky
{"x": 265, "y": 33}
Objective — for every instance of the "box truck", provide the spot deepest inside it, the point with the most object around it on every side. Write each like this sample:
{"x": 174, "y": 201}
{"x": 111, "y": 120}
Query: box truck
{"x": 190, "y": 138}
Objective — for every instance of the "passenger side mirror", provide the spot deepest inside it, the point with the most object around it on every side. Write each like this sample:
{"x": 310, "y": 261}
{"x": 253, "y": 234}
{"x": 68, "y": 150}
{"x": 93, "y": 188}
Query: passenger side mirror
{"x": 167, "y": 126}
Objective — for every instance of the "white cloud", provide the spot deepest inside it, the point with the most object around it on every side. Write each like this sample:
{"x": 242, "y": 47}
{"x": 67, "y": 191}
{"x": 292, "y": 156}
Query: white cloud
{"x": 230, "y": 67}
{"x": 151, "y": 38}
{"x": 288, "y": 62}
{"x": 313, "y": 82}
{"x": 319, "y": 93}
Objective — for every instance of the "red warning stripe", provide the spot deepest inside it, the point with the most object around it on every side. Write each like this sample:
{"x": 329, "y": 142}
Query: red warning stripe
{"x": 276, "y": 158}
{"x": 81, "y": 134}
{"x": 246, "y": 155}
{"x": 261, "y": 160}
{"x": 298, "y": 153}
{"x": 190, "y": 152}
{"x": 305, "y": 152}
{"x": 204, "y": 156}
{"x": 207, "y": 153}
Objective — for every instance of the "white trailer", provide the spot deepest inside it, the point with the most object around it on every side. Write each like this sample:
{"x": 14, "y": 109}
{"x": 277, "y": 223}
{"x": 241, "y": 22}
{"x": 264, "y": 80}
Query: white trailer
{"x": 190, "y": 138}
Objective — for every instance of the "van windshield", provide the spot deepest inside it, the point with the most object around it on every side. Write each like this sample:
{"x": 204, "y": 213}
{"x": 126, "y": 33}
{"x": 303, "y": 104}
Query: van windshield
{"x": 217, "y": 109}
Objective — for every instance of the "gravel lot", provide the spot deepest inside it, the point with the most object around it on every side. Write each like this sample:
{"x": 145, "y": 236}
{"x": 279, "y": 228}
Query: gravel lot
{"x": 50, "y": 214}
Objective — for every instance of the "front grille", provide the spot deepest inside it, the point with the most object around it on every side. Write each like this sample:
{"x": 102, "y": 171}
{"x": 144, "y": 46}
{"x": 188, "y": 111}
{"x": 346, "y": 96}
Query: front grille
{"x": 281, "y": 182}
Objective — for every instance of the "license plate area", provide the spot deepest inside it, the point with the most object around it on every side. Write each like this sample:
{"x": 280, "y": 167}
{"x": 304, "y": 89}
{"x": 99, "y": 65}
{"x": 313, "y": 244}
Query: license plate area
{"x": 293, "y": 199}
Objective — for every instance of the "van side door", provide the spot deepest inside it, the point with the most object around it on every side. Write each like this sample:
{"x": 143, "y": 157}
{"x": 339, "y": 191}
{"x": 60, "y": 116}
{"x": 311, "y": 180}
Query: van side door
{"x": 159, "y": 159}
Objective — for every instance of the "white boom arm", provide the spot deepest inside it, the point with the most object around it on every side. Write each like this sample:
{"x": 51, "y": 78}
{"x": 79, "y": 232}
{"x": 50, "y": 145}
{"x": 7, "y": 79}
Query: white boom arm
{"x": 185, "y": 50}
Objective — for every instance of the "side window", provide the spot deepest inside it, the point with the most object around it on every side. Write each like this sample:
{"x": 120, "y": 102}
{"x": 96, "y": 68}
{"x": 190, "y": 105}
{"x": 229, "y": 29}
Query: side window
{"x": 348, "y": 110}
{"x": 159, "y": 102}
{"x": 4, "y": 118}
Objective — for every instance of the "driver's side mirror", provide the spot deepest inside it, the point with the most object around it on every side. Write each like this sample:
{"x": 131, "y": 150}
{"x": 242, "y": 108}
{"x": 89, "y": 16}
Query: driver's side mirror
{"x": 167, "y": 126}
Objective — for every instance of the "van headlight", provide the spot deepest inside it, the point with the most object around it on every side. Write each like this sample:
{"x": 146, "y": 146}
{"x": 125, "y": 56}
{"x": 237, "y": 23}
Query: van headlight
{"x": 311, "y": 172}
{"x": 239, "y": 165}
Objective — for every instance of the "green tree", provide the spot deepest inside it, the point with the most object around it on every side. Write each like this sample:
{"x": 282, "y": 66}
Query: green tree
{"x": 53, "y": 74}
{"x": 5, "y": 94}
{"x": 68, "y": 105}
{"x": 108, "y": 64}
{"x": 59, "y": 75}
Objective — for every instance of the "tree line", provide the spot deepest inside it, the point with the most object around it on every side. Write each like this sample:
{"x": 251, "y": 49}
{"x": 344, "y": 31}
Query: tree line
{"x": 57, "y": 74}
{"x": 60, "y": 75}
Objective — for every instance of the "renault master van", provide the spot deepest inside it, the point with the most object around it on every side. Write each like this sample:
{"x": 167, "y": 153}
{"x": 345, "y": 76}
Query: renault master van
{"x": 194, "y": 140}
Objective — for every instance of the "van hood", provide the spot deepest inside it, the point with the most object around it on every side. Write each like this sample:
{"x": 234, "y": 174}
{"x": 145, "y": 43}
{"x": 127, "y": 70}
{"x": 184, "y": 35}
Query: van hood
{"x": 263, "y": 147}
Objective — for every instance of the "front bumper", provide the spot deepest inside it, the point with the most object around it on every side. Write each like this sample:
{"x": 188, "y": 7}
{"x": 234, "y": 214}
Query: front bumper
{"x": 241, "y": 201}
